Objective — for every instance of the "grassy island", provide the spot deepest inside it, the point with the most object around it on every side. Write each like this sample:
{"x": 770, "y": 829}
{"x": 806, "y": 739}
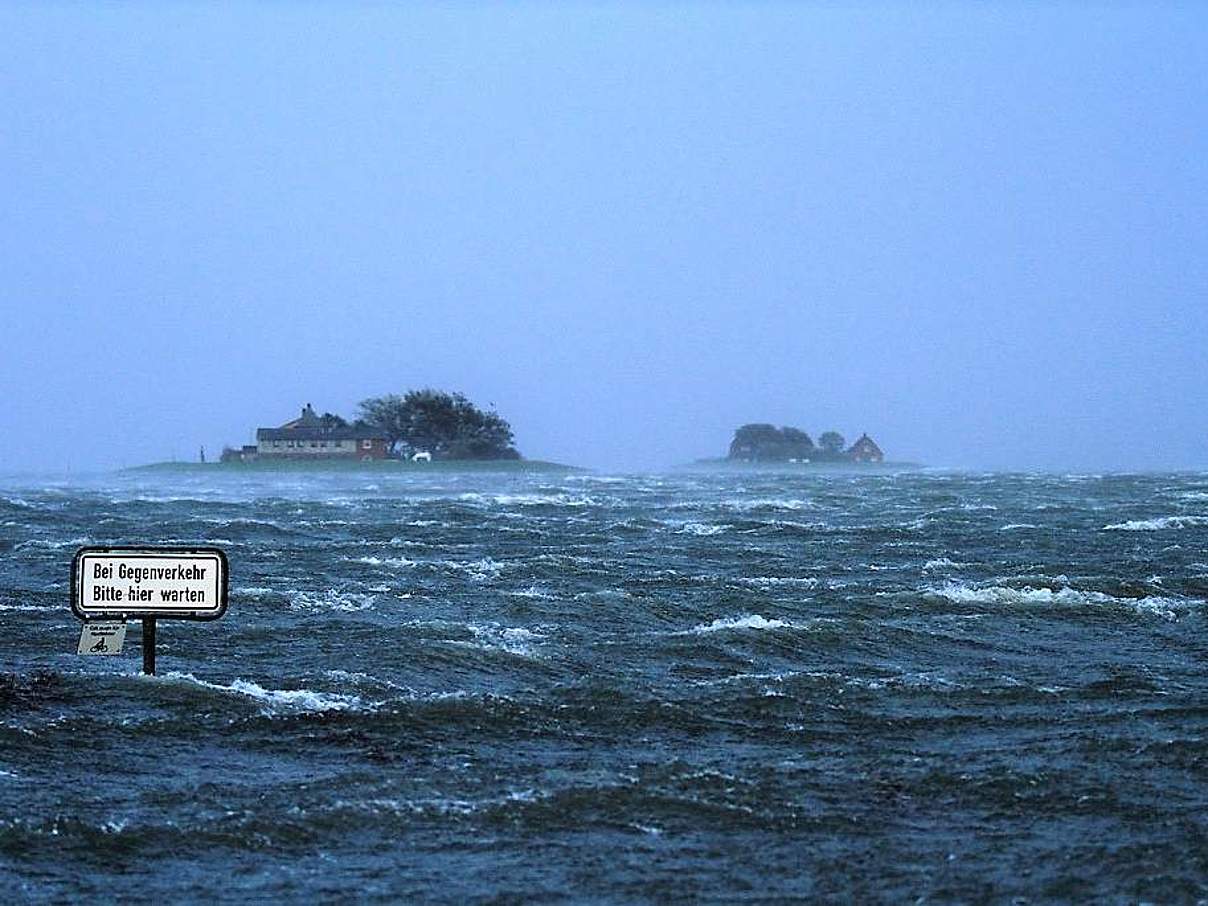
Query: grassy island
{"x": 782, "y": 466}
{"x": 420, "y": 426}
{"x": 763, "y": 444}
{"x": 376, "y": 466}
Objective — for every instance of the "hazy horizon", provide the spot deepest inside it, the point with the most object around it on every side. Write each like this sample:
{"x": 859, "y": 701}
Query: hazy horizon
{"x": 977, "y": 233}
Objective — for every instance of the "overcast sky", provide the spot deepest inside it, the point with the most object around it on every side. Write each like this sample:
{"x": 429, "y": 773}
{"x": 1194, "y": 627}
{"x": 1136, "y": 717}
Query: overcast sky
{"x": 979, "y": 232}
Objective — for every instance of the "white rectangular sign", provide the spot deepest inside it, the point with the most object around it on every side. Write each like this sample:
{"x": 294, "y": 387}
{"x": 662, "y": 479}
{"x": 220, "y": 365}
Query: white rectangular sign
{"x": 102, "y": 638}
{"x": 187, "y": 583}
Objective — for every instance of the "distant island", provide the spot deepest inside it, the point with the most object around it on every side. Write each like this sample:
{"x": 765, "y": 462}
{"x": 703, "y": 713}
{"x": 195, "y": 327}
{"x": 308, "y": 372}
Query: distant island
{"x": 420, "y": 426}
{"x": 305, "y": 465}
{"x": 766, "y": 443}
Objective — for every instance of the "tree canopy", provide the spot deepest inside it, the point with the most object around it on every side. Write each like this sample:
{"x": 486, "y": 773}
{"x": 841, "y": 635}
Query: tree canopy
{"x": 760, "y": 442}
{"x": 831, "y": 441}
{"x": 447, "y": 425}
{"x": 767, "y": 442}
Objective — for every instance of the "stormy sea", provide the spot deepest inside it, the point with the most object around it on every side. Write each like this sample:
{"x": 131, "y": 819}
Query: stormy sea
{"x": 735, "y": 685}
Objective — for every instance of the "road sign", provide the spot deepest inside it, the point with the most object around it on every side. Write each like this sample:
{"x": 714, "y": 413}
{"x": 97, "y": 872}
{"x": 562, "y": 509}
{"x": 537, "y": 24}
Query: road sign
{"x": 166, "y": 582}
{"x": 147, "y": 583}
{"x": 102, "y": 638}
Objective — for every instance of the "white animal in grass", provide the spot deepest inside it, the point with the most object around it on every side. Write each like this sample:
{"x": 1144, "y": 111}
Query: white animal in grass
{"x": 422, "y": 456}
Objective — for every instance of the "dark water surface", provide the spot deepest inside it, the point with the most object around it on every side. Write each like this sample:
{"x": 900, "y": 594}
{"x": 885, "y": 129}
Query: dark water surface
{"x": 740, "y": 686}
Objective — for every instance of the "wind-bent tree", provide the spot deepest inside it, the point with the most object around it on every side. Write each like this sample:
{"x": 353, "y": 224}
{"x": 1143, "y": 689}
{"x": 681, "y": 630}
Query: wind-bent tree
{"x": 447, "y": 425}
{"x": 387, "y": 414}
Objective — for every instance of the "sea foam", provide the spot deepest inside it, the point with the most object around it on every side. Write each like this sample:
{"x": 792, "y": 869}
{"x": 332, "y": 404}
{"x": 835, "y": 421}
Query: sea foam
{"x": 1159, "y": 524}
{"x": 1002, "y": 595}
{"x": 747, "y": 621}
{"x": 272, "y": 701}
{"x": 701, "y": 529}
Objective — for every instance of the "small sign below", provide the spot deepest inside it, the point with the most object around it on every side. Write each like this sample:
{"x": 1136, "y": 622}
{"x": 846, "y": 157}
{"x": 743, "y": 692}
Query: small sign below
{"x": 102, "y": 638}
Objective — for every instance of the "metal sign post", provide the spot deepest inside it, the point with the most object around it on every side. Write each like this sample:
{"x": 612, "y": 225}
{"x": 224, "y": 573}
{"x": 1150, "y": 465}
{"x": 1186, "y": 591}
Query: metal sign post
{"x": 149, "y": 584}
{"x": 149, "y": 646}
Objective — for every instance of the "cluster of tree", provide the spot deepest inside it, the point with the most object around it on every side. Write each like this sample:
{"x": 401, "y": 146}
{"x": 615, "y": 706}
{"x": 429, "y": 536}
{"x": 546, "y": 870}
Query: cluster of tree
{"x": 767, "y": 443}
{"x": 447, "y": 425}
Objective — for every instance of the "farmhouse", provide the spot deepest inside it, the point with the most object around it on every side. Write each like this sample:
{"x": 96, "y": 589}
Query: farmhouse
{"x": 313, "y": 437}
{"x": 865, "y": 450}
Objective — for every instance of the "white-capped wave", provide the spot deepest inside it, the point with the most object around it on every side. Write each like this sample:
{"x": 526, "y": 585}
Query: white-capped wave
{"x": 701, "y": 529}
{"x": 53, "y": 545}
{"x": 778, "y": 581}
{"x": 483, "y": 570}
{"x": 246, "y": 521}
{"x": 602, "y": 479}
{"x": 345, "y": 601}
{"x": 1159, "y": 524}
{"x": 563, "y": 499}
{"x": 790, "y": 524}
{"x": 486, "y": 636}
{"x": 1066, "y": 596}
{"x": 747, "y": 621}
{"x": 776, "y": 677}
{"x": 766, "y": 503}
{"x": 393, "y": 562}
{"x": 513, "y": 639}
{"x": 272, "y": 701}
{"x": 534, "y": 593}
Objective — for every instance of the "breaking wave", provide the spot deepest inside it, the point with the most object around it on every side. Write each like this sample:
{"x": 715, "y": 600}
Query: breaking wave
{"x": 747, "y": 621}
{"x": 1159, "y": 524}
{"x": 271, "y": 701}
{"x": 701, "y": 529}
{"x": 1065, "y": 596}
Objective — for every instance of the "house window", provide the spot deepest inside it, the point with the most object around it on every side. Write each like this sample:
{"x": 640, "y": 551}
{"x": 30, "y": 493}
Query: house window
{"x": 366, "y": 445}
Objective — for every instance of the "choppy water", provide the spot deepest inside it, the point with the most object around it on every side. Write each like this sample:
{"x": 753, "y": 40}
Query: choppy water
{"x": 746, "y": 686}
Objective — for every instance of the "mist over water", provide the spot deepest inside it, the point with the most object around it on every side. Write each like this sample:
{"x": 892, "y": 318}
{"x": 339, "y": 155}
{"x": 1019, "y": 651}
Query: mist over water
{"x": 973, "y": 231}
{"x": 724, "y": 684}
